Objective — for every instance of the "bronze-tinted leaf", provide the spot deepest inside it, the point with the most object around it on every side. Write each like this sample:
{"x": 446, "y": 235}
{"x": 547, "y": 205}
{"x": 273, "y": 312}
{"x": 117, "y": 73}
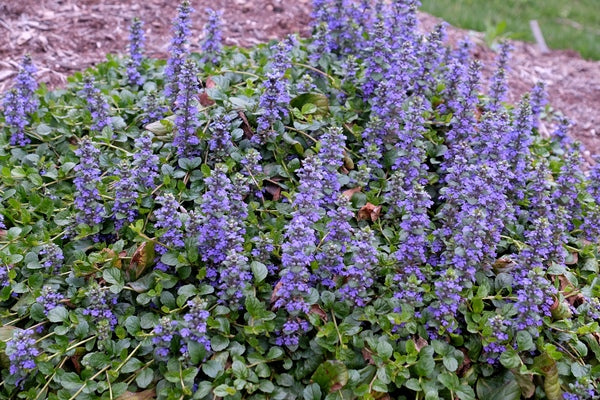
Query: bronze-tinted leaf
{"x": 420, "y": 343}
{"x": 368, "y": 355}
{"x": 273, "y": 190}
{"x": 350, "y": 192}
{"x": 142, "y": 258}
{"x": 248, "y": 132}
{"x": 317, "y": 310}
{"x": 205, "y": 100}
{"x": 369, "y": 211}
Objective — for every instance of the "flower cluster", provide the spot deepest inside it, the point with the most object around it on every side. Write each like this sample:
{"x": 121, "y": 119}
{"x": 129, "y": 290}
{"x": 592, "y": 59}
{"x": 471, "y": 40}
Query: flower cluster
{"x": 52, "y": 257}
{"x": 168, "y": 220}
{"x": 99, "y": 305}
{"x": 90, "y": 210}
{"x": 178, "y": 49}
{"x": 145, "y": 163}
{"x": 154, "y": 110}
{"x": 211, "y": 45}
{"x": 164, "y": 333}
{"x": 136, "y": 49}
{"x": 273, "y": 101}
{"x": 96, "y": 104}
{"x": 358, "y": 275}
{"x": 299, "y": 249}
{"x": 124, "y": 210}
{"x": 20, "y": 101}
{"x": 186, "y": 140}
{"x": 220, "y": 139}
{"x": 195, "y": 322}
{"x": 49, "y": 298}
{"x": 21, "y": 351}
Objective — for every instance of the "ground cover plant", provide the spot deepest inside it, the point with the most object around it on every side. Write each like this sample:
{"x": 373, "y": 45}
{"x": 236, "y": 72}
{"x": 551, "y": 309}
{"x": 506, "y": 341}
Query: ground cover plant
{"x": 347, "y": 216}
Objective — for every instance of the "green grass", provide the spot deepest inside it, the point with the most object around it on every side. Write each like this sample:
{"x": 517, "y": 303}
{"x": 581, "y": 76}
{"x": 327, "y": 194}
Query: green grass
{"x": 565, "y": 24}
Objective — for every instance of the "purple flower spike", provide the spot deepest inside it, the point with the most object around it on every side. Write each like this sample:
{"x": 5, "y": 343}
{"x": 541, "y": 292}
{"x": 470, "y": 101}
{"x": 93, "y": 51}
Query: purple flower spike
{"x": 211, "y": 45}
{"x": 90, "y": 210}
{"x": 178, "y": 49}
{"x": 136, "y": 49}
{"x": 20, "y": 101}
{"x": 21, "y": 351}
{"x": 186, "y": 140}
{"x": 96, "y": 104}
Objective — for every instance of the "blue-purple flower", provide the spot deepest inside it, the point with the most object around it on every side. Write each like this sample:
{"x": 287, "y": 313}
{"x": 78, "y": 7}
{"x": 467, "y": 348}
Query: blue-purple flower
{"x": 178, "y": 49}
{"x": 21, "y": 101}
{"x": 211, "y": 45}
{"x": 49, "y": 298}
{"x": 90, "y": 210}
{"x": 186, "y": 140}
{"x": 145, "y": 163}
{"x": 96, "y": 105}
{"x": 22, "y": 351}
{"x": 136, "y": 49}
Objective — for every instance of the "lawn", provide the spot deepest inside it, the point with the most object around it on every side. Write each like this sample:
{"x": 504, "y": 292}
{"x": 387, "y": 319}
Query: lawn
{"x": 565, "y": 24}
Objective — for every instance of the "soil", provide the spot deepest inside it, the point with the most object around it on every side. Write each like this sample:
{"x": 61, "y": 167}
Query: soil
{"x": 64, "y": 36}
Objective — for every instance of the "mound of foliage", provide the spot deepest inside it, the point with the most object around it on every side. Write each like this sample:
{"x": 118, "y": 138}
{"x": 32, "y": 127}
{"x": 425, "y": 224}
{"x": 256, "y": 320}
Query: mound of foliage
{"x": 348, "y": 216}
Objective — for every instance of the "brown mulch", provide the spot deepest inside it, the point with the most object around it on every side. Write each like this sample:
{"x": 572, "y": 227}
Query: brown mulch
{"x": 64, "y": 36}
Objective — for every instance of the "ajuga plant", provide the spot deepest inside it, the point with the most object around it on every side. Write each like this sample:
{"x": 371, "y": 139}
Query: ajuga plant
{"x": 349, "y": 216}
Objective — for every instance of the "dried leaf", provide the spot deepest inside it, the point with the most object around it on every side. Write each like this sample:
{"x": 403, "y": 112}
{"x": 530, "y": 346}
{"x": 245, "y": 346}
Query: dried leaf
{"x": 369, "y": 211}
{"x": 275, "y": 291}
{"x": 504, "y": 264}
{"x": 420, "y": 343}
{"x": 210, "y": 83}
{"x": 248, "y": 132}
{"x": 114, "y": 257}
{"x": 368, "y": 355}
{"x": 573, "y": 259}
{"x": 145, "y": 395}
{"x": 142, "y": 259}
{"x": 350, "y": 192}
{"x": 560, "y": 310}
{"x": 317, "y": 310}
{"x": 205, "y": 101}
{"x": 348, "y": 162}
{"x": 273, "y": 190}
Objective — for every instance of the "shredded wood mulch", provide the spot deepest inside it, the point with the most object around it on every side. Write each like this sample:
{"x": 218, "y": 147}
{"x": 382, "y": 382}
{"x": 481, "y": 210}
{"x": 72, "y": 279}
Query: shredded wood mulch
{"x": 64, "y": 36}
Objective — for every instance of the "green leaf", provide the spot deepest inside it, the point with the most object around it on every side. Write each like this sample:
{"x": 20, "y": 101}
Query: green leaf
{"x": 114, "y": 276}
{"x": 259, "y": 271}
{"x": 450, "y": 381}
{"x": 331, "y": 375}
{"x": 266, "y": 386}
{"x": 144, "y": 378}
{"x": 312, "y": 392}
{"x": 384, "y": 349}
{"x": 224, "y": 390}
{"x": 319, "y": 100}
{"x": 425, "y": 365}
{"x": 499, "y": 387}
{"x": 524, "y": 341}
{"x": 58, "y": 314}
{"x": 450, "y": 363}
{"x": 132, "y": 365}
{"x": 96, "y": 360}
{"x": 212, "y": 368}
{"x": 465, "y": 392}
{"x": 43, "y": 130}
{"x": 219, "y": 343}
{"x": 197, "y": 352}
{"x": 510, "y": 359}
